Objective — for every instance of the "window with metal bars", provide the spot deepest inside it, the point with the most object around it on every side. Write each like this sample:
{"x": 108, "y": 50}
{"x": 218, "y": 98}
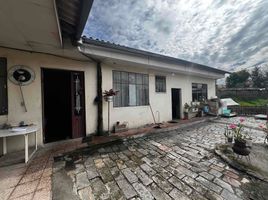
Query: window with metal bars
{"x": 160, "y": 83}
{"x": 199, "y": 91}
{"x": 133, "y": 89}
{"x": 3, "y": 87}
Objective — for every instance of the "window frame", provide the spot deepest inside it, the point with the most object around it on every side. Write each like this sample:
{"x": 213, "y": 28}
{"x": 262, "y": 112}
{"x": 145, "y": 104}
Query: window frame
{"x": 3, "y": 77}
{"x": 204, "y": 86}
{"x": 123, "y": 82}
{"x": 164, "y": 79}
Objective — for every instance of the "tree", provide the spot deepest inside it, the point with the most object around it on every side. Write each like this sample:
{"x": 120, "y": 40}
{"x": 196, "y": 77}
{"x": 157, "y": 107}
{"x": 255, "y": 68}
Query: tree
{"x": 257, "y": 77}
{"x": 237, "y": 79}
{"x": 266, "y": 79}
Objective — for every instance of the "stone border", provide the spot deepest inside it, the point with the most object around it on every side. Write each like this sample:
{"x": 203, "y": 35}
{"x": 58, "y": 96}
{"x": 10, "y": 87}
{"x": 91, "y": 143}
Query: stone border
{"x": 237, "y": 166}
{"x": 172, "y": 128}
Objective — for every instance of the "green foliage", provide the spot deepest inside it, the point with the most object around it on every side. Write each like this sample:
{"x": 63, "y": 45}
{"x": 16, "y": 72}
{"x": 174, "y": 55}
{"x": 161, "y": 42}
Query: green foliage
{"x": 252, "y": 102}
{"x": 257, "y": 77}
{"x": 237, "y": 79}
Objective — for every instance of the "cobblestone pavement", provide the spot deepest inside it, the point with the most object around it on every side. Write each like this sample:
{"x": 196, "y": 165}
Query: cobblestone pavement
{"x": 249, "y": 121}
{"x": 171, "y": 165}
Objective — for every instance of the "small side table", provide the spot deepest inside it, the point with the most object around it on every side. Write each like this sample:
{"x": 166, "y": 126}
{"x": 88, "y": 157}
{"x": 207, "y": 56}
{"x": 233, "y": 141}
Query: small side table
{"x": 25, "y": 131}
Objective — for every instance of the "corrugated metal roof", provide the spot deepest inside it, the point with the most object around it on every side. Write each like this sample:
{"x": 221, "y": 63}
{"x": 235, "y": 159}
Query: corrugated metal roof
{"x": 73, "y": 15}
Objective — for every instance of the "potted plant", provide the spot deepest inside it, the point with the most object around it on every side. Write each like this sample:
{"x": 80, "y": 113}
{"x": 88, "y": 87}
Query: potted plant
{"x": 186, "y": 110}
{"x": 240, "y": 145}
{"x": 228, "y": 135}
{"x": 264, "y": 127}
{"x": 108, "y": 94}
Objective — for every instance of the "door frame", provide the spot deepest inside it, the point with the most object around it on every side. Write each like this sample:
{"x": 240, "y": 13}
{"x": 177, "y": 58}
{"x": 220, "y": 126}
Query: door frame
{"x": 43, "y": 98}
{"x": 180, "y": 113}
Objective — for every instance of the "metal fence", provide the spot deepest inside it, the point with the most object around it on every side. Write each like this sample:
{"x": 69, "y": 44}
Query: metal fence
{"x": 242, "y": 93}
{"x": 249, "y": 110}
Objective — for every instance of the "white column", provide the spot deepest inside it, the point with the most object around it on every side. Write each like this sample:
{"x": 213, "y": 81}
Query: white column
{"x": 4, "y": 145}
{"x": 26, "y": 148}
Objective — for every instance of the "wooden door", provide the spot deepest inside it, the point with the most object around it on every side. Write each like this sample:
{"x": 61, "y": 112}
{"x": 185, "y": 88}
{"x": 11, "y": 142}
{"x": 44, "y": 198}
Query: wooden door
{"x": 78, "y": 104}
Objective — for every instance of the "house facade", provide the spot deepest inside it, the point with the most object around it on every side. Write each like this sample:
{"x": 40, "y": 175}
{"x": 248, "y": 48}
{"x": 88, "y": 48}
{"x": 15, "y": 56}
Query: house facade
{"x": 145, "y": 79}
{"x": 61, "y": 100}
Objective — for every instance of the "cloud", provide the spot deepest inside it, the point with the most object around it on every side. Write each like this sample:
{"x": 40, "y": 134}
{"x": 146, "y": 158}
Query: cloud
{"x": 226, "y": 34}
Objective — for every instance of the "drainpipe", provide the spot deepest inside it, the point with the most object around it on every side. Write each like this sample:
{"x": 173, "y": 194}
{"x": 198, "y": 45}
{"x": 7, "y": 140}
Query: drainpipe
{"x": 98, "y": 100}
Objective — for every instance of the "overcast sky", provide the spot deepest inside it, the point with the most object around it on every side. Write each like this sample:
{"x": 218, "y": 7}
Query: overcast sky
{"x": 226, "y": 34}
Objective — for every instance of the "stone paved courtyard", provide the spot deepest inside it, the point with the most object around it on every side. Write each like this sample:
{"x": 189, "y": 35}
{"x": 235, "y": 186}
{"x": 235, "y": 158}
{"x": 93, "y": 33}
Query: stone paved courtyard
{"x": 178, "y": 164}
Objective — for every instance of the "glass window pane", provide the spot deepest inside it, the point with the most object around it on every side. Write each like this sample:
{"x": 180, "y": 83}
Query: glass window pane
{"x": 117, "y": 98}
{"x": 146, "y": 95}
{"x": 124, "y": 95}
{"x": 160, "y": 84}
{"x": 133, "y": 89}
{"x": 116, "y": 77}
{"x": 145, "y": 79}
{"x": 139, "y": 94}
{"x": 132, "y": 78}
{"x": 132, "y": 95}
{"x": 139, "y": 78}
{"x": 124, "y": 77}
{"x": 199, "y": 91}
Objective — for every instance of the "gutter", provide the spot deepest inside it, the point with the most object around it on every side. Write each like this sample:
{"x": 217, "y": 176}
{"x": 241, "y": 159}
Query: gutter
{"x": 58, "y": 22}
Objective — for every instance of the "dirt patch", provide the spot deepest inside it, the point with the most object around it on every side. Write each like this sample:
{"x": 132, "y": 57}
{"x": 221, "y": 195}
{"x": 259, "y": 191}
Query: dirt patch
{"x": 256, "y": 190}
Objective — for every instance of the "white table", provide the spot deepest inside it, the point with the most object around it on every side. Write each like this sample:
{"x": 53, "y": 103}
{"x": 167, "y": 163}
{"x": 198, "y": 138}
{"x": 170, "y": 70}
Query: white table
{"x": 4, "y": 133}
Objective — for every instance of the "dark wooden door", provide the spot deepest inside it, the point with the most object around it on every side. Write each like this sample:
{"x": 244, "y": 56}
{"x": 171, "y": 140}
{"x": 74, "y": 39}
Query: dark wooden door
{"x": 78, "y": 104}
{"x": 176, "y": 103}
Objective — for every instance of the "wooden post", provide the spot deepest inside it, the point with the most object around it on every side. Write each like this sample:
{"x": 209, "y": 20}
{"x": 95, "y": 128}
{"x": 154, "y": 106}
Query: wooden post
{"x": 100, "y": 100}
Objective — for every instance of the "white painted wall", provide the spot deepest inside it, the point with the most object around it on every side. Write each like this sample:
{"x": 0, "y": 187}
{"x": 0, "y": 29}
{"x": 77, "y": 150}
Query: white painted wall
{"x": 32, "y": 92}
{"x": 135, "y": 116}
{"x": 140, "y": 115}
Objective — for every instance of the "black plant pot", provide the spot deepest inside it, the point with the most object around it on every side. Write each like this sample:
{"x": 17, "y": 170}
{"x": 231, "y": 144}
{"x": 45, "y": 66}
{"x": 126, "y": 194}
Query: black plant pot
{"x": 240, "y": 147}
{"x": 229, "y": 139}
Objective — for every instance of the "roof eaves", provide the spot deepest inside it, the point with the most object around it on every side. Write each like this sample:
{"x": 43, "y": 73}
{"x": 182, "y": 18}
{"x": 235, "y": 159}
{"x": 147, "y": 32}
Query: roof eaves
{"x": 73, "y": 16}
{"x": 85, "y": 8}
{"x": 105, "y": 44}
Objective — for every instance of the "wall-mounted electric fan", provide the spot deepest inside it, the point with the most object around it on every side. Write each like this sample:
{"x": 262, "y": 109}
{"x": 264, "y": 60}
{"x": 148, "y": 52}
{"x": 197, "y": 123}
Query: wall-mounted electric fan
{"x": 21, "y": 75}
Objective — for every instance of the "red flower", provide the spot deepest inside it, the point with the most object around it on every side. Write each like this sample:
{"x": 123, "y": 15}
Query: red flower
{"x": 232, "y": 126}
{"x": 242, "y": 120}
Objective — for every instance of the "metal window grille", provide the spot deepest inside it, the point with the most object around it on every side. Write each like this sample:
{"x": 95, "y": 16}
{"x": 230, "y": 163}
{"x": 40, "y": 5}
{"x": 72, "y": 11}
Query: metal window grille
{"x": 199, "y": 91}
{"x": 160, "y": 83}
{"x": 133, "y": 89}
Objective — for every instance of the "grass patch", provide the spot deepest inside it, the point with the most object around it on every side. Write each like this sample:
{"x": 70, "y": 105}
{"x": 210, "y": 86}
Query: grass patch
{"x": 252, "y": 102}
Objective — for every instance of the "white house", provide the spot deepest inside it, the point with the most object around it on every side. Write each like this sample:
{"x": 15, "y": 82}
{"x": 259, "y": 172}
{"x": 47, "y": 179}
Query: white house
{"x": 61, "y": 100}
